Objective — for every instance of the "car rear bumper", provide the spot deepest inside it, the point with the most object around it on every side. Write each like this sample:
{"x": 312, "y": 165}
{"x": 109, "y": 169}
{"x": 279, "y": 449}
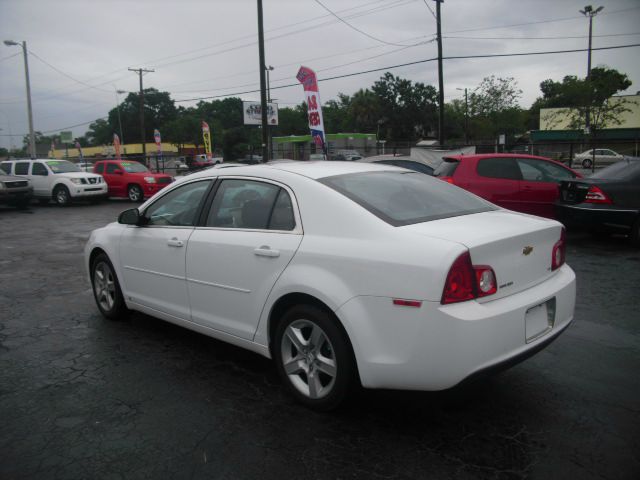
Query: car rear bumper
{"x": 595, "y": 217}
{"x": 436, "y": 346}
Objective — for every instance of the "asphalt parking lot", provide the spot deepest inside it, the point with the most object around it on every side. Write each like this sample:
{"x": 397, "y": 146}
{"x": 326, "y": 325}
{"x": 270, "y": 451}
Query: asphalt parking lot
{"x": 81, "y": 397}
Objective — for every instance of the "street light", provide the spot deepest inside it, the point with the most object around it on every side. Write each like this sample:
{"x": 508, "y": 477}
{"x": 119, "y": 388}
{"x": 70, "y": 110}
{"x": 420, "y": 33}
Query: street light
{"x": 589, "y": 12}
{"x": 466, "y": 115}
{"x": 32, "y": 137}
{"x": 268, "y": 69}
{"x": 119, "y": 92}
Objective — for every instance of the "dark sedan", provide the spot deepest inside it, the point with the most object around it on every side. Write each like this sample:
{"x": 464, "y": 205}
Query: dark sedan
{"x": 606, "y": 202}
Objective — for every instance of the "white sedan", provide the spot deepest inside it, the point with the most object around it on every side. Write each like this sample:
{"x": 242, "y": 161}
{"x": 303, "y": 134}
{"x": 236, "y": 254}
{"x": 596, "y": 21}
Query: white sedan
{"x": 345, "y": 274}
{"x": 603, "y": 156}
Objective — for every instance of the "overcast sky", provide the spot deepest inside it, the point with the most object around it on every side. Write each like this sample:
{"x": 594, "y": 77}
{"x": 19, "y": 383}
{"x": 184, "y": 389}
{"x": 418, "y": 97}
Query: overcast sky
{"x": 80, "y": 49}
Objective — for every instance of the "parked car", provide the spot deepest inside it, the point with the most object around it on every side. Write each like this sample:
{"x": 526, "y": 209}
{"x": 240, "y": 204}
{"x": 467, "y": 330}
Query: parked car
{"x": 202, "y": 161}
{"x": 603, "y": 156}
{"x": 15, "y": 191}
{"x": 606, "y": 202}
{"x": 85, "y": 166}
{"x": 343, "y": 273}
{"x": 524, "y": 183}
{"x": 403, "y": 161}
{"x": 317, "y": 156}
{"x": 128, "y": 178}
{"x": 251, "y": 159}
{"x": 58, "y": 180}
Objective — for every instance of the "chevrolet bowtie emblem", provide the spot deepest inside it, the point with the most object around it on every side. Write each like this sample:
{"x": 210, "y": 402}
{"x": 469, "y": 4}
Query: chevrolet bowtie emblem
{"x": 527, "y": 250}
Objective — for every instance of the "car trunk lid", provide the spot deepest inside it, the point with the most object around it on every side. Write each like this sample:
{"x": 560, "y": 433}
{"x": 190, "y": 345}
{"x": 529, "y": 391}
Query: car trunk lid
{"x": 517, "y": 247}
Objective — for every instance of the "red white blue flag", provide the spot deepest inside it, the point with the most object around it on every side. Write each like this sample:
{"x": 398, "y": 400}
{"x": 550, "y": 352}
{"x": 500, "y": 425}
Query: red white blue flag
{"x": 309, "y": 81}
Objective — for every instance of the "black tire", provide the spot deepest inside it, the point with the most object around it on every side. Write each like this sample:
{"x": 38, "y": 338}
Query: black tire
{"x": 134, "y": 192}
{"x": 305, "y": 366}
{"x": 106, "y": 288}
{"x": 635, "y": 233}
{"x": 586, "y": 163}
{"x": 61, "y": 196}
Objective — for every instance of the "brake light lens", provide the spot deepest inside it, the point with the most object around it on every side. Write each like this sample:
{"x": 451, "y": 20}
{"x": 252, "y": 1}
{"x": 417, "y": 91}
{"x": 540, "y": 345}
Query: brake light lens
{"x": 466, "y": 281}
{"x": 558, "y": 252}
{"x": 596, "y": 195}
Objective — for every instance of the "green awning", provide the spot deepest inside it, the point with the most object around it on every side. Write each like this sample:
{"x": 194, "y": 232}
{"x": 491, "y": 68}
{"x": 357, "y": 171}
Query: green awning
{"x": 578, "y": 135}
{"x": 330, "y": 137}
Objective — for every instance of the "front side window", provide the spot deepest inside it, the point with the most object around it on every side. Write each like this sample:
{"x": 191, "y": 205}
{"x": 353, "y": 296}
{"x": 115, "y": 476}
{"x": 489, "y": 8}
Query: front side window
{"x": 541, "y": 171}
{"x": 501, "y": 167}
{"x": 22, "y": 168}
{"x": 112, "y": 167}
{"x": 251, "y": 204}
{"x": 39, "y": 169}
{"x": 404, "y": 198}
{"x": 179, "y": 207}
{"x": 99, "y": 168}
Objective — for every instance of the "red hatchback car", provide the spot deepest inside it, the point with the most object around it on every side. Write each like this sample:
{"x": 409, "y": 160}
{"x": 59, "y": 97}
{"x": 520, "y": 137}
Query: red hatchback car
{"x": 524, "y": 183}
{"x": 128, "y": 178}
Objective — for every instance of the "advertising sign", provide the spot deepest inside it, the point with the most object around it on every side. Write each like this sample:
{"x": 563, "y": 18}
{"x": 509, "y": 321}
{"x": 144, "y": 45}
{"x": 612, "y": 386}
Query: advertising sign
{"x": 252, "y": 113}
{"x": 307, "y": 78}
{"x": 206, "y": 136}
{"x": 66, "y": 137}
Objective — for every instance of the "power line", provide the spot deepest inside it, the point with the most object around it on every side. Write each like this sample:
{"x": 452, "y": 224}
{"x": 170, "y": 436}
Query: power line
{"x": 543, "y": 38}
{"x": 357, "y": 29}
{"x": 550, "y": 52}
{"x": 67, "y": 75}
{"x": 10, "y": 56}
{"x": 430, "y": 9}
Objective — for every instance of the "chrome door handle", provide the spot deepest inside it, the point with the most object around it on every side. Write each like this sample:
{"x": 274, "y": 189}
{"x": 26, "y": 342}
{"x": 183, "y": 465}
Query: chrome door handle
{"x": 265, "y": 251}
{"x": 174, "y": 242}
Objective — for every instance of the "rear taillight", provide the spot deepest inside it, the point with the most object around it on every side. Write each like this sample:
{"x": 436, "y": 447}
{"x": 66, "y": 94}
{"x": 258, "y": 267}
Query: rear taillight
{"x": 596, "y": 195}
{"x": 447, "y": 179}
{"x": 466, "y": 281}
{"x": 558, "y": 252}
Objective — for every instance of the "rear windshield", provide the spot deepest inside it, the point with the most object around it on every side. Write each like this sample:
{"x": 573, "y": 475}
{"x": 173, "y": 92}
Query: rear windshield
{"x": 619, "y": 171}
{"x": 405, "y": 198}
{"x": 446, "y": 168}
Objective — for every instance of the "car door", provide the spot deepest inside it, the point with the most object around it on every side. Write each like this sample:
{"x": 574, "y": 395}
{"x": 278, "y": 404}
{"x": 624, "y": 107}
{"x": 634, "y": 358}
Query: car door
{"x": 497, "y": 180}
{"x": 251, "y": 233}
{"x": 539, "y": 187}
{"x": 152, "y": 256}
{"x": 115, "y": 181}
{"x": 40, "y": 179}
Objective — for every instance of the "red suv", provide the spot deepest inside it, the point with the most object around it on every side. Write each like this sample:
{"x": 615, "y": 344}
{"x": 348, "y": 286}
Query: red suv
{"x": 128, "y": 178}
{"x": 523, "y": 183}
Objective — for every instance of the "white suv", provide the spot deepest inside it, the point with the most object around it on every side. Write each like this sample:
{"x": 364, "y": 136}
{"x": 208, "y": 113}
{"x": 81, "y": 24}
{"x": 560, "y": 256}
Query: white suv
{"x": 58, "y": 180}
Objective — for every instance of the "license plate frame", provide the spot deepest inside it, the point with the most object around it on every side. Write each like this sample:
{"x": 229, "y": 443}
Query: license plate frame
{"x": 539, "y": 320}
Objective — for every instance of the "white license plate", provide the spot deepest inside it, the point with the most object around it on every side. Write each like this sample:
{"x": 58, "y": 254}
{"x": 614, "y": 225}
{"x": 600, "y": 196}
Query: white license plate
{"x": 539, "y": 320}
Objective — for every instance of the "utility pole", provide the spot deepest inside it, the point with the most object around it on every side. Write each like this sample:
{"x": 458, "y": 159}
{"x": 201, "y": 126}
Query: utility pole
{"x": 32, "y": 136}
{"x": 590, "y": 12}
{"x": 466, "y": 116}
{"x": 263, "y": 86}
{"x": 140, "y": 71}
{"x": 440, "y": 80}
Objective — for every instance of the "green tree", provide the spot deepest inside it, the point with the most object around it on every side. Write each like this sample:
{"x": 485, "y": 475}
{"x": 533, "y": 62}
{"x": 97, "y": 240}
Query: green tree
{"x": 100, "y": 132}
{"x": 494, "y": 109}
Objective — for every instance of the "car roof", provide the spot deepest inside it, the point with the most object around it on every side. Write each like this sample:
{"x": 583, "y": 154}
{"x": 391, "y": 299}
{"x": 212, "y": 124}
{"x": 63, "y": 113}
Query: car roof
{"x": 310, "y": 169}
{"x": 480, "y": 156}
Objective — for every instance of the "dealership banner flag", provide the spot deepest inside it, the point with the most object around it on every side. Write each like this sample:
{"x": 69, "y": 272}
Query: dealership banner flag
{"x": 206, "y": 136}
{"x": 79, "y": 150}
{"x": 308, "y": 79}
{"x": 158, "y": 140}
{"x": 116, "y": 146}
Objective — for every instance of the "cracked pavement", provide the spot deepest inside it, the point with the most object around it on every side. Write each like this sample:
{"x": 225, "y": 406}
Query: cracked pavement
{"x": 82, "y": 397}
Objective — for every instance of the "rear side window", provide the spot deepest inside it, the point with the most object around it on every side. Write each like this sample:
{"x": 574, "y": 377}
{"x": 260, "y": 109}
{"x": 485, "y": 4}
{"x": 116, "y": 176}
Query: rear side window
{"x": 6, "y": 167}
{"x": 22, "y": 168}
{"x": 99, "y": 168}
{"x": 505, "y": 168}
{"x": 401, "y": 198}
{"x": 447, "y": 168}
{"x": 541, "y": 171}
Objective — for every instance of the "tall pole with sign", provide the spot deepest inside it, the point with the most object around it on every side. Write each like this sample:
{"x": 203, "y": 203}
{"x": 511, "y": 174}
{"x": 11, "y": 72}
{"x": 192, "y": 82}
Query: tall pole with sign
{"x": 263, "y": 86}
{"x": 309, "y": 81}
{"x": 440, "y": 79}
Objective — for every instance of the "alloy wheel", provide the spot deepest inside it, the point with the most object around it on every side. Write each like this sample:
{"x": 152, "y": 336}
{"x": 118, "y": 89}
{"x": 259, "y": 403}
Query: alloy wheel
{"x": 104, "y": 286}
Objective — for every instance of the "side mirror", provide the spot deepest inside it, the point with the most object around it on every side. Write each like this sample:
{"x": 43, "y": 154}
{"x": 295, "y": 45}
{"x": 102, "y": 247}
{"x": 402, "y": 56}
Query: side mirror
{"x": 130, "y": 217}
{"x": 118, "y": 172}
